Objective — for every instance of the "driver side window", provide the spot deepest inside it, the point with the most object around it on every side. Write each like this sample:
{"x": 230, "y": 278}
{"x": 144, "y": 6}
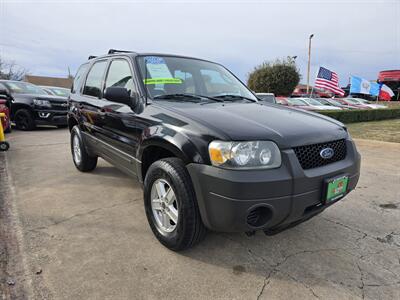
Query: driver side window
{"x": 120, "y": 75}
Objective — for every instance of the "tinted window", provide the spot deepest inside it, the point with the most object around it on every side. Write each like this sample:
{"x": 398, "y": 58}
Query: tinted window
{"x": 94, "y": 79}
{"x": 217, "y": 82}
{"x": 78, "y": 78}
{"x": 267, "y": 98}
{"x": 119, "y": 74}
{"x": 19, "y": 87}
{"x": 168, "y": 75}
{"x": 60, "y": 92}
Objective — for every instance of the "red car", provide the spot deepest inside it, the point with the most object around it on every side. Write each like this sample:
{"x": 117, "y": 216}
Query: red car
{"x": 5, "y": 121}
{"x": 293, "y": 103}
{"x": 350, "y": 104}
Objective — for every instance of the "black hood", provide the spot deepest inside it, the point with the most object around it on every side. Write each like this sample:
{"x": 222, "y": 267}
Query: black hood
{"x": 43, "y": 97}
{"x": 252, "y": 121}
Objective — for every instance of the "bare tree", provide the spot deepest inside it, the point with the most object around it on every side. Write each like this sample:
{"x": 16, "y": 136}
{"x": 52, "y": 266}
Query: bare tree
{"x": 11, "y": 71}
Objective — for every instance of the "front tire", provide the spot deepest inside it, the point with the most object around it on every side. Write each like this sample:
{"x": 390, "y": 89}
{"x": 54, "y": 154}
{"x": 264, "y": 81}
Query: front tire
{"x": 171, "y": 205}
{"x": 81, "y": 158}
{"x": 24, "y": 120}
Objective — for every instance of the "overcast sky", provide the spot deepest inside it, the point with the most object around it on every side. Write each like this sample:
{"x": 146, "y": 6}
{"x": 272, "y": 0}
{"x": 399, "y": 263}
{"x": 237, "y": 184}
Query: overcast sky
{"x": 351, "y": 37}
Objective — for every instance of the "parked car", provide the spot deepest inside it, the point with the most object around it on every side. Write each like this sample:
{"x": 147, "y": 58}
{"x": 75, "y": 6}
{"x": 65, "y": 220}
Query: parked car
{"x": 282, "y": 101}
{"x": 208, "y": 154}
{"x": 316, "y": 105}
{"x": 4, "y": 108}
{"x": 32, "y": 106}
{"x": 267, "y": 97}
{"x": 350, "y": 104}
{"x": 333, "y": 102}
{"x": 359, "y": 101}
{"x": 299, "y": 103}
{"x": 56, "y": 91}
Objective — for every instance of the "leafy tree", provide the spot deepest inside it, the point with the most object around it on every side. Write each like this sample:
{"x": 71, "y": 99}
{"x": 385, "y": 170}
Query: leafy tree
{"x": 279, "y": 77}
{"x": 11, "y": 71}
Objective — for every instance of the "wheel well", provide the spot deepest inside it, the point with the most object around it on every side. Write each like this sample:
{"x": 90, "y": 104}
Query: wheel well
{"x": 16, "y": 107}
{"x": 152, "y": 154}
{"x": 71, "y": 123}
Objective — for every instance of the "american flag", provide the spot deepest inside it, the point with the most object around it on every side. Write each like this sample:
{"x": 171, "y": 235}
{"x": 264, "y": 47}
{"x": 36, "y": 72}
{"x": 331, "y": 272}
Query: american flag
{"x": 328, "y": 80}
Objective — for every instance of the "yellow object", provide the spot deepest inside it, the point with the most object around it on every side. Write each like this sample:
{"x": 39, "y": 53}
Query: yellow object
{"x": 216, "y": 156}
{"x": 4, "y": 146}
{"x": 2, "y": 137}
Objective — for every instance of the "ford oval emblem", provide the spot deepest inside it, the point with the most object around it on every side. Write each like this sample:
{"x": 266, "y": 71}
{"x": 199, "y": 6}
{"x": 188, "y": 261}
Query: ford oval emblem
{"x": 327, "y": 153}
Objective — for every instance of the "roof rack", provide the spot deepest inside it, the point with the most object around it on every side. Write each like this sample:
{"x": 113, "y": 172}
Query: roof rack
{"x": 91, "y": 57}
{"x": 112, "y": 51}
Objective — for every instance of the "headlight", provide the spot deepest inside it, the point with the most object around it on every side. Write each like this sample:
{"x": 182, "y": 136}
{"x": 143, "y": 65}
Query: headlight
{"x": 43, "y": 103}
{"x": 245, "y": 155}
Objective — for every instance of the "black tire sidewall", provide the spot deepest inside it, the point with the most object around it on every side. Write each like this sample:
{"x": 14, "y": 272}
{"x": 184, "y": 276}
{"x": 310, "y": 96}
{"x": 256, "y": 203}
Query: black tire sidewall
{"x": 171, "y": 237}
{"x": 29, "y": 118}
{"x": 87, "y": 162}
{"x": 184, "y": 192}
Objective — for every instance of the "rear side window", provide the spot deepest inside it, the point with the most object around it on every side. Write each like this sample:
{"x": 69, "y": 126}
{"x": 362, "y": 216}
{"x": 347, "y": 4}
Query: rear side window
{"x": 94, "y": 79}
{"x": 120, "y": 75}
{"x": 76, "y": 86}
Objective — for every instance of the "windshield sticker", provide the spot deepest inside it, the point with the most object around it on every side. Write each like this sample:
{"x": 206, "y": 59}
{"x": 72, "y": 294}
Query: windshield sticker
{"x": 162, "y": 81}
{"x": 157, "y": 67}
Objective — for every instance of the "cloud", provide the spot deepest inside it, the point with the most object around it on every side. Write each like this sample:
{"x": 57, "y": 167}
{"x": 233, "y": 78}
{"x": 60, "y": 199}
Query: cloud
{"x": 351, "y": 37}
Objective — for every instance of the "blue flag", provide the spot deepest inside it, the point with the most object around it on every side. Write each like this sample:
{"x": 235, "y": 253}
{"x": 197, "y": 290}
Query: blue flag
{"x": 360, "y": 85}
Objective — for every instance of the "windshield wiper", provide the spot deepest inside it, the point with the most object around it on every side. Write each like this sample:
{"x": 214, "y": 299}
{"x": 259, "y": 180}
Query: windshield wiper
{"x": 184, "y": 95}
{"x": 233, "y": 97}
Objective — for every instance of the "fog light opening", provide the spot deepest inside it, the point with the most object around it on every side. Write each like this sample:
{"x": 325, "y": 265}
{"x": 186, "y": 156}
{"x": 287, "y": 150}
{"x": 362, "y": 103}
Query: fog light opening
{"x": 44, "y": 115}
{"x": 259, "y": 216}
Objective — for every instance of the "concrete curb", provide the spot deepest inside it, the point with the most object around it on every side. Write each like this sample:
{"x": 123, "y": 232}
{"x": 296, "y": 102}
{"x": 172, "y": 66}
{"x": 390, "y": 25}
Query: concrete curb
{"x": 15, "y": 279}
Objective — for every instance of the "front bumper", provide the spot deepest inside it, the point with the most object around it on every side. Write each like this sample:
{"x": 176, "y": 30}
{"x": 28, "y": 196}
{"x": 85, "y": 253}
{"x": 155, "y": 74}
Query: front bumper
{"x": 51, "y": 117}
{"x": 289, "y": 194}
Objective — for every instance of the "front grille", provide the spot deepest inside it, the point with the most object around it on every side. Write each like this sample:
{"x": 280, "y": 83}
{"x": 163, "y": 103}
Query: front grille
{"x": 309, "y": 155}
{"x": 59, "y": 105}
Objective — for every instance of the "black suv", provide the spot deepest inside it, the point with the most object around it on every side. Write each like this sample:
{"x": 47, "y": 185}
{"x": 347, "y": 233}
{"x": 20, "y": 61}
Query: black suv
{"x": 31, "y": 105}
{"x": 208, "y": 154}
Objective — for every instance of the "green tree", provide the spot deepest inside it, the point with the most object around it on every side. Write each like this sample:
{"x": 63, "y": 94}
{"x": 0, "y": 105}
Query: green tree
{"x": 279, "y": 77}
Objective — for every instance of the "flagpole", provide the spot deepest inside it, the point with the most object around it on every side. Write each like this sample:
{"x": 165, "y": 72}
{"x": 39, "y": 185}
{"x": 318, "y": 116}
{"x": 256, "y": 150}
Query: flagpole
{"x": 309, "y": 59}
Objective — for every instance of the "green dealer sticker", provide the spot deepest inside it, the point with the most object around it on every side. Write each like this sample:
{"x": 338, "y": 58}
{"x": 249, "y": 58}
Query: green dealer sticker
{"x": 162, "y": 81}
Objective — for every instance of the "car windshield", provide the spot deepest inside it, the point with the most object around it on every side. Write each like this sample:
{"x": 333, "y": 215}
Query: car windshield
{"x": 297, "y": 102}
{"x": 323, "y": 101}
{"x": 334, "y": 102}
{"x": 354, "y": 101}
{"x": 60, "y": 92}
{"x": 18, "y": 87}
{"x": 168, "y": 76}
{"x": 313, "y": 102}
{"x": 267, "y": 98}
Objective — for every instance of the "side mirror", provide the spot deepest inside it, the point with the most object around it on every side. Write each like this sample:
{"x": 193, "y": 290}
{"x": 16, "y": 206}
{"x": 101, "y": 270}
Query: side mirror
{"x": 119, "y": 95}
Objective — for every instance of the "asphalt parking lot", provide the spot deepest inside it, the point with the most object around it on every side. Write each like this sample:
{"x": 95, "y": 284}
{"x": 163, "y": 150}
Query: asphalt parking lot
{"x": 69, "y": 235}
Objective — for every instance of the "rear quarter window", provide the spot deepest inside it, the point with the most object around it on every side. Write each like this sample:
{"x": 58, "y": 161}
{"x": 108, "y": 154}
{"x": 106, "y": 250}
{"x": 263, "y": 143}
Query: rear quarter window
{"x": 94, "y": 79}
{"x": 76, "y": 86}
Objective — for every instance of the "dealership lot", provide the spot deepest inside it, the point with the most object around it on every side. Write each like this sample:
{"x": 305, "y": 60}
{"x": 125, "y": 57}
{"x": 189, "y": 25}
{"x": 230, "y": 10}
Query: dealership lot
{"x": 85, "y": 236}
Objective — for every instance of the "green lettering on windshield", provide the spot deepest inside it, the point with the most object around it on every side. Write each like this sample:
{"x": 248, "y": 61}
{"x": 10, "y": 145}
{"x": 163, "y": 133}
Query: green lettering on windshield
{"x": 162, "y": 81}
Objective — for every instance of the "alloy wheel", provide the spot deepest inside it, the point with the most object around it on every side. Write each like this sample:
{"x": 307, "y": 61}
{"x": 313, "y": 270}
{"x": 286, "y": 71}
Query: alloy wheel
{"x": 164, "y": 206}
{"x": 76, "y": 146}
